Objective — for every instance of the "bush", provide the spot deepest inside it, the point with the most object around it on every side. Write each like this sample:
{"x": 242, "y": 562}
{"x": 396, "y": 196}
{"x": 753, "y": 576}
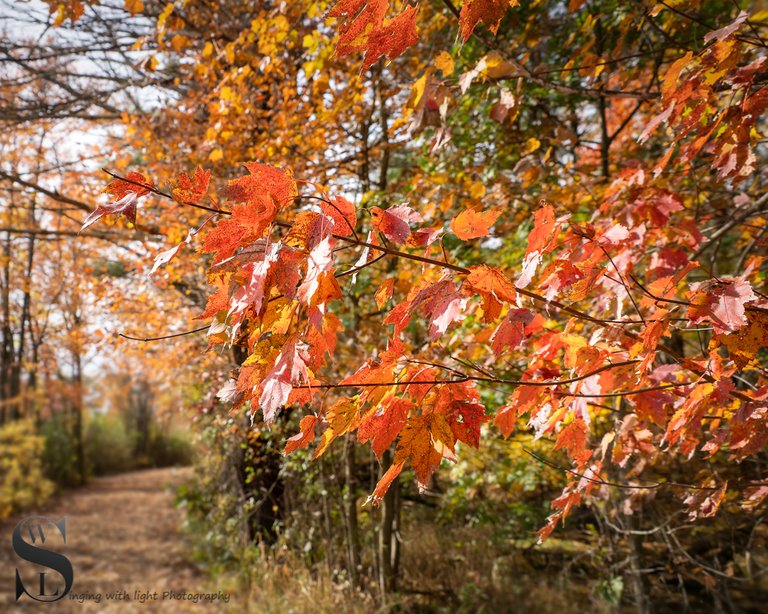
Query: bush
{"x": 108, "y": 446}
{"x": 169, "y": 448}
{"x": 111, "y": 446}
{"x": 22, "y": 482}
{"x": 59, "y": 454}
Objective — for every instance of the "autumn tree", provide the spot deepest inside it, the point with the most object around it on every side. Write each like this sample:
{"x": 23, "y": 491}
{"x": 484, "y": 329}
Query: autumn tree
{"x": 64, "y": 88}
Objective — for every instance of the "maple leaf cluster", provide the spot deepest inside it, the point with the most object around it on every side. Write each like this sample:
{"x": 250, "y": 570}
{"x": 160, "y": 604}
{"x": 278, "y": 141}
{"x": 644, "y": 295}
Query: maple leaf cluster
{"x": 274, "y": 296}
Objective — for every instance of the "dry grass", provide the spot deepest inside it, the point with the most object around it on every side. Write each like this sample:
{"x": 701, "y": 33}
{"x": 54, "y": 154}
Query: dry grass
{"x": 464, "y": 570}
{"x": 287, "y": 586}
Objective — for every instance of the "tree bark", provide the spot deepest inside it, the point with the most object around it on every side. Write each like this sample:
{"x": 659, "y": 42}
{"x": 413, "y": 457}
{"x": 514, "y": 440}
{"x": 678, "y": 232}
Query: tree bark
{"x": 389, "y": 545}
{"x": 350, "y": 512}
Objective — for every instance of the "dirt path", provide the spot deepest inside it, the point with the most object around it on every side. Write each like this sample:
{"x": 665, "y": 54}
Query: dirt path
{"x": 123, "y": 535}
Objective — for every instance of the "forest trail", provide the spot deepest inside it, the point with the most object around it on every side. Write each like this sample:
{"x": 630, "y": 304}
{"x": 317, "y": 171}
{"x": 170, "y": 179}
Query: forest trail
{"x": 123, "y": 534}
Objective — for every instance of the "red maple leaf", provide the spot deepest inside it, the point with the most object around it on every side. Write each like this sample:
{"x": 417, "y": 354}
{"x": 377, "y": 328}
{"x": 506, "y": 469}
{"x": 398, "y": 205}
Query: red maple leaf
{"x": 191, "y": 189}
{"x": 393, "y": 222}
{"x": 721, "y": 303}
{"x": 489, "y": 12}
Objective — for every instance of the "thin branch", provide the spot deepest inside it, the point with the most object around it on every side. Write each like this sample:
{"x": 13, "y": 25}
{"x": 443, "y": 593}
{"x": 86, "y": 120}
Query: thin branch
{"x": 655, "y": 485}
{"x": 463, "y": 378}
{"x": 188, "y": 332}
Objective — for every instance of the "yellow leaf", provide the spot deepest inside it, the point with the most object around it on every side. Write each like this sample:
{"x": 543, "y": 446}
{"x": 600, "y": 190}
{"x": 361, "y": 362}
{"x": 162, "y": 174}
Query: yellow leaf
{"x": 531, "y": 145}
{"x": 444, "y": 63}
{"x": 216, "y": 155}
{"x": 384, "y": 293}
{"x": 496, "y": 67}
{"x": 341, "y": 418}
{"x": 417, "y": 91}
{"x": 164, "y": 17}
{"x": 477, "y": 190}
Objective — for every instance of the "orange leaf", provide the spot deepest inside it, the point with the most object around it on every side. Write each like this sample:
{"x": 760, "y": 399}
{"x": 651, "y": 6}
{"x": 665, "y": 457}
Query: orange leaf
{"x": 343, "y": 214}
{"x": 415, "y": 445}
{"x": 393, "y": 38}
{"x": 386, "y": 481}
{"x": 383, "y": 424}
{"x": 218, "y": 301}
{"x": 744, "y": 344}
{"x": 573, "y": 438}
{"x": 543, "y": 230}
{"x": 304, "y": 438}
{"x": 263, "y": 181}
{"x": 471, "y": 224}
{"x": 493, "y": 286}
{"x": 327, "y": 289}
{"x": 384, "y": 293}
{"x": 489, "y": 12}
{"x": 247, "y": 224}
{"x": 191, "y": 189}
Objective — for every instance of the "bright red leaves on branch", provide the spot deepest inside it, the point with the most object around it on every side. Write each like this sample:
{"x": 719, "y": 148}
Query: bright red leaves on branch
{"x": 265, "y": 190}
{"x": 688, "y": 90}
{"x": 416, "y": 409}
{"x": 364, "y": 28}
{"x": 394, "y": 222}
{"x": 125, "y": 193}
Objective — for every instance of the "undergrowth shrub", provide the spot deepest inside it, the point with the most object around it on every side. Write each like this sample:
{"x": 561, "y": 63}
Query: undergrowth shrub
{"x": 108, "y": 445}
{"x": 59, "y": 453}
{"x": 22, "y": 482}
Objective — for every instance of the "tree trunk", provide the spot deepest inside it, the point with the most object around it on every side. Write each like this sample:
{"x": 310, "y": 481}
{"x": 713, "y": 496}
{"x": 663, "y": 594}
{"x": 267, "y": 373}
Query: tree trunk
{"x": 389, "y": 544}
{"x": 6, "y": 351}
{"x": 350, "y": 512}
{"x": 77, "y": 406}
{"x": 639, "y": 586}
